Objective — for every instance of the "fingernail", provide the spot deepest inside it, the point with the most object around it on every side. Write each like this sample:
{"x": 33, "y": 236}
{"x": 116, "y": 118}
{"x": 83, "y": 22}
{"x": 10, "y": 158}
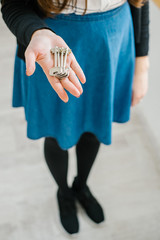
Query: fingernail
{"x": 27, "y": 72}
{"x": 66, "y": 100}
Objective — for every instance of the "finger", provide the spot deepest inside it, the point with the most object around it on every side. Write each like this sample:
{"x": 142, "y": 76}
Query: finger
{"x": 30, "y": 59}
{"x": 68, "y": 85}
{"x": 56, "y": 84}
{"x": 78, "y": 70}
{"x": 63, "y": 83}
{"x": 135, "y": 100}
{"x": 46, "y": 64}
{"x": 73, "y": 78}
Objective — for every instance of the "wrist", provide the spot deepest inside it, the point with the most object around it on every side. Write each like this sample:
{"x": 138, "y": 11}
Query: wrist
{"x": 141, "y": 63}
{"x": 43, "y": 31}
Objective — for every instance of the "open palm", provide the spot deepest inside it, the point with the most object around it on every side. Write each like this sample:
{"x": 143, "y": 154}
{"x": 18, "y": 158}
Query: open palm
{"x": 38, "y": 51}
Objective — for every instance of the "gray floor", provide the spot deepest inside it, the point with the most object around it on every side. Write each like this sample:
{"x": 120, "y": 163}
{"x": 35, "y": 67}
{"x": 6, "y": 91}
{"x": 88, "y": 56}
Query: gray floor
{"x": 125, "y": 177}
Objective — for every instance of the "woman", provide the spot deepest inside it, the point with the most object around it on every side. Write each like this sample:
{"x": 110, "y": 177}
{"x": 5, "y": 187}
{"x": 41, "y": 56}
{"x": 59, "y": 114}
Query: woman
{"x": 109, "y": 43}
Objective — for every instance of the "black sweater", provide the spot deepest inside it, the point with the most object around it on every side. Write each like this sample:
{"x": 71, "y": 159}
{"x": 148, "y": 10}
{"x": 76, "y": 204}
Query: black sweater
{"x": 23, "y": 17}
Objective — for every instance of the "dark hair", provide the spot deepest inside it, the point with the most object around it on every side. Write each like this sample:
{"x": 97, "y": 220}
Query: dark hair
{"x": 48, "y": 6}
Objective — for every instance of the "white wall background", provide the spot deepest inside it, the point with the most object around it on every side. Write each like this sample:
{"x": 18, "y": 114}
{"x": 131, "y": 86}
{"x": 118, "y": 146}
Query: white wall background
{"x": 150, "y": 107}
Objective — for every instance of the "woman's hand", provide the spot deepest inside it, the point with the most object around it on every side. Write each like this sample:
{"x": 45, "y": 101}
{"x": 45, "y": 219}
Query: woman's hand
{"x": 38, "y": 51}
{"x": 140, "y": 81}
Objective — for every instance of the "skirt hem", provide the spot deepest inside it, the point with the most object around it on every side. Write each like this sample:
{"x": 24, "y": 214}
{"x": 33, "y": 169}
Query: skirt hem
{"x": 101, "y": 140}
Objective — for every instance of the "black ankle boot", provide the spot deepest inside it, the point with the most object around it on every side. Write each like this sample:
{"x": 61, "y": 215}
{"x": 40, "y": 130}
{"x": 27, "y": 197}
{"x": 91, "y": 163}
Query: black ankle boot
{"x": 68, "y": 212}
{"x": 88, "y": 202}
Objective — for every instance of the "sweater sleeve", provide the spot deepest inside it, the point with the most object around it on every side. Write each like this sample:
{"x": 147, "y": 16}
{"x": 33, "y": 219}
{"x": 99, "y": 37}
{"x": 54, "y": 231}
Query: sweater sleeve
{"x": 141, "y": 21}
{"x": 142, "y": 47}
{"x": 21, "y": 19}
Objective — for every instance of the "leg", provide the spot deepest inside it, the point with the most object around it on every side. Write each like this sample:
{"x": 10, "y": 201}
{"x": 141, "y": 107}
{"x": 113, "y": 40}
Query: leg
{"x": 86, "y": 150}
{"x": 57, "y": 161}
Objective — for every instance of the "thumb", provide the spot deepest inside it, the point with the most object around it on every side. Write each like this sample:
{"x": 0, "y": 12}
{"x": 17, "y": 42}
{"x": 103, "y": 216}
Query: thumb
{"x": 30, "y": 59}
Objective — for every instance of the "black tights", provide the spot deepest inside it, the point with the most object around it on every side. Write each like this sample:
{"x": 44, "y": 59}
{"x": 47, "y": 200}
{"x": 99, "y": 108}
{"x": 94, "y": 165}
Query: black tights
{"x": 57, "y": 159}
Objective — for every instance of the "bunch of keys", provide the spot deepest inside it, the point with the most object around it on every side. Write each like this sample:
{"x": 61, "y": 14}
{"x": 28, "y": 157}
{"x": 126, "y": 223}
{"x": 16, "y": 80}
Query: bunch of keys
{"x": 60, "y": 56}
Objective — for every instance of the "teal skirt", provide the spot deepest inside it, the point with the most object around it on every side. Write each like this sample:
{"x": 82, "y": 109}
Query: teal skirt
{"x": 103, "y": 44}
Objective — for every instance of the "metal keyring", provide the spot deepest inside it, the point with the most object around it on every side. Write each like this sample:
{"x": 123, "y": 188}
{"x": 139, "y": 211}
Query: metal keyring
{"x": 60, "y": 57}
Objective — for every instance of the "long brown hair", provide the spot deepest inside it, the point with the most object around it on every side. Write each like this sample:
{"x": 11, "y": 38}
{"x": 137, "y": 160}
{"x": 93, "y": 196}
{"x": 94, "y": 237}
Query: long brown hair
{"x": 48, "y": 6}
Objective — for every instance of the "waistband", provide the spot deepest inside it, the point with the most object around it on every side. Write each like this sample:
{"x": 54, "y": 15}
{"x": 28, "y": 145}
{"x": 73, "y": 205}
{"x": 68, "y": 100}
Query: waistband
{"x": 114, "y": 4}
{"x": 112, "y": 9}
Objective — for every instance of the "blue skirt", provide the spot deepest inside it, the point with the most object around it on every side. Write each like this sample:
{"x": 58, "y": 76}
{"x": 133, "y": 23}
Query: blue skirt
{"x": 107, "y": 39}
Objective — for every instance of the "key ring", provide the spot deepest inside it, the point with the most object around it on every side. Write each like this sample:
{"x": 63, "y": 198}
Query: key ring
{"x": 60, "y": 56}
